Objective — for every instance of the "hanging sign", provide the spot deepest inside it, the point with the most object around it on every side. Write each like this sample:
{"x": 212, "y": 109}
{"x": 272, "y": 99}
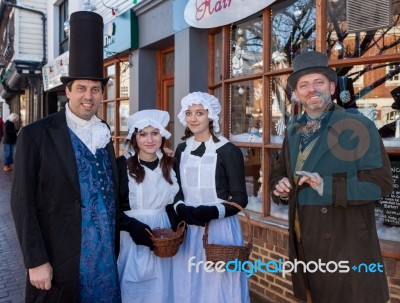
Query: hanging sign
{"x": 53, "y": 70}
{"x": 215, "y": 13}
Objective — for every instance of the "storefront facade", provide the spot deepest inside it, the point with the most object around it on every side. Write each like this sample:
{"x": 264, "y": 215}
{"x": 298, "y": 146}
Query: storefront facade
{"x": 246, "y": 64}
{"x": 21, "y": 61}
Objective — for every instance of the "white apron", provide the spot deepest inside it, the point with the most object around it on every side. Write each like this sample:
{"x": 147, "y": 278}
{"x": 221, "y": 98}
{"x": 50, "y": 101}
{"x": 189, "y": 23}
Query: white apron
{"x": 143, "y": 276}
{"x": 198, "y": 185}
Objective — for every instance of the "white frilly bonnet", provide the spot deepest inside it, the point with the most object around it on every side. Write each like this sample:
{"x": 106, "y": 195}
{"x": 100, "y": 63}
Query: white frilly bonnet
{"x": 149, "y": 117}
{"x": 209, "y": 103}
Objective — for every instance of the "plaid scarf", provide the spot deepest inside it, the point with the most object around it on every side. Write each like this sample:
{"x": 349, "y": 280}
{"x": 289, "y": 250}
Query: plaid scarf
{"x": 310, "y": 128}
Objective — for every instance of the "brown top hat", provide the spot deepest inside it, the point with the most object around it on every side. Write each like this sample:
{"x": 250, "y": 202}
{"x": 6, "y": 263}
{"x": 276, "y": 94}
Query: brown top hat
{"x": 85, "y": 48}
{"x": 309, "y": 63}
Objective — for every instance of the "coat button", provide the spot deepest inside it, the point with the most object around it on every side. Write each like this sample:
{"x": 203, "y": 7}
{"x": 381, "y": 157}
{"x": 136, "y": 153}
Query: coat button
{"x": 327, "y": 236}
{"x": 324, "y": 210}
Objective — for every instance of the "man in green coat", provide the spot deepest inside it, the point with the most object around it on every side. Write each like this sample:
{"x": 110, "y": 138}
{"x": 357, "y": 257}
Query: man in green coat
{"x": 331, "y": 171}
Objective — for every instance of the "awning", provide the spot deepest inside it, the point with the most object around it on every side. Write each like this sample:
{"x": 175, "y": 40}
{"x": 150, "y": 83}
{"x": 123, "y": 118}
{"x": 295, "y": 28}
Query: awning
{"x": 15, "y": 77}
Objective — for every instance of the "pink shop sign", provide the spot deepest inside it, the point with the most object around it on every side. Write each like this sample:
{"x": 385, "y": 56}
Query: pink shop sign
{"x": 214, "y": 13}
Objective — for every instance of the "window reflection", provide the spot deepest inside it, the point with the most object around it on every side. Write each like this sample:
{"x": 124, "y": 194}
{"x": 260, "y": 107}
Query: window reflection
{"x": 246, "y": 113}
{"x": 123, "y": 117}
{"x": 110, "y": 90}
{"x": 247, "y": 48}
{"x": 169, "y": 66}
{"x": 252, "y": 166}
{"x": 342, "y": 44}
{"x": 124, "y": 80}
{"x": 110, "y": 116}
{"x": 218, "y": 57}
{"x": 281, "y": 108}
{"x": 293, "y": 31}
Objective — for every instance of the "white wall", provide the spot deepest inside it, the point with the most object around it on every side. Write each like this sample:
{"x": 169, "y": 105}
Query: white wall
{"x": 29, "y": 31}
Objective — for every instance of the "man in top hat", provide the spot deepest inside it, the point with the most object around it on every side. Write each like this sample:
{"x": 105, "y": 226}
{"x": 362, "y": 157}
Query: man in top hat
{"x": 64, "y": 188}
{"x": 331, "y": 171}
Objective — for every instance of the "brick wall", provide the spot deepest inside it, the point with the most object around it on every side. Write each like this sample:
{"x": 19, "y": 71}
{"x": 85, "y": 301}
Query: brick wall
{"x": 392, "y": 267}
{"x": 271, "y": 243}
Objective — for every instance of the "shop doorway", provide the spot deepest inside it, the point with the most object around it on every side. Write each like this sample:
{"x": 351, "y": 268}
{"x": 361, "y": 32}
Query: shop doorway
{"x": 166, "y": 83}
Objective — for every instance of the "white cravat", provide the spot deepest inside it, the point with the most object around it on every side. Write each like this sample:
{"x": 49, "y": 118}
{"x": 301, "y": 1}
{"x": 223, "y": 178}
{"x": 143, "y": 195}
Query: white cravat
{"x": 93, "y": 133}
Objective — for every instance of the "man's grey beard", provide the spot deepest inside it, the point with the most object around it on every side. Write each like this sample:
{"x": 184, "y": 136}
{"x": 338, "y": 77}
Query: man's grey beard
{"x": 325, "y": 98}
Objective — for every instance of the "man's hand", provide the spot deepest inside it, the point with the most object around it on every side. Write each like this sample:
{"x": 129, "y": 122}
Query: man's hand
{"x": 41, "y": 276}
{"x": 313, "y": 179}
{"x": 282, "y": 188}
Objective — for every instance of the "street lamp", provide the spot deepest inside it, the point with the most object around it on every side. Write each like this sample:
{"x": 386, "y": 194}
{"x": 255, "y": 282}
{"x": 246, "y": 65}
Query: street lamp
{"x": 87, "y": 6}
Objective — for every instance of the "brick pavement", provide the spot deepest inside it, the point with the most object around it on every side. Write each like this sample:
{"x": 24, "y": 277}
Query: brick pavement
{"x": 12, "y": 270}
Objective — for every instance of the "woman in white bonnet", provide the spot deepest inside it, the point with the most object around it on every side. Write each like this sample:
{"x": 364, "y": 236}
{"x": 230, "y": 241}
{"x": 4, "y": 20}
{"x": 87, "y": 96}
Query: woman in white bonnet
{"x": 210, "y": 170}
{"x": 147, "y": 185}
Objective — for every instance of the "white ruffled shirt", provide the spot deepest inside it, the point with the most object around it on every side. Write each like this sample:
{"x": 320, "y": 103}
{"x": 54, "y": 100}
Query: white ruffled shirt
{"x": 93, "y": 133}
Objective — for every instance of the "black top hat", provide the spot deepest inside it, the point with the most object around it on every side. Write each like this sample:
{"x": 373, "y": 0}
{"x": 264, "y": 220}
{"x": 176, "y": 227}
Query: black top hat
{"x": 308, "y": 63}
{"x": 85, "y": 48}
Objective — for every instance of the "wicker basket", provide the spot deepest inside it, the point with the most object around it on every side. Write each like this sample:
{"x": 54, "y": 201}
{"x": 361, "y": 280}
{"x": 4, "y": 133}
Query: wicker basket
{"x": 166, "y": 241}
{"x": 226, "y": 253}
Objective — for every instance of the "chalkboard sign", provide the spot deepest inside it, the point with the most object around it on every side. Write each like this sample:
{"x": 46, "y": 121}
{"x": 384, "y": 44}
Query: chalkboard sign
{"x": 388, "y": 208}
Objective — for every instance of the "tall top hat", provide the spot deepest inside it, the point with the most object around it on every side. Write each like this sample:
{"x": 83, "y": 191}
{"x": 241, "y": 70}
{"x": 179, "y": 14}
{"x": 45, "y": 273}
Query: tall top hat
{"x": 85, "y": 48}
{"x": 308, "y": 63}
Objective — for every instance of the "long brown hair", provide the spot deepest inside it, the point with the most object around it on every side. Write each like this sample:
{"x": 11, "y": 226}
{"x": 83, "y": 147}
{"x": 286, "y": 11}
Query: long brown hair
{"x": 136, "y": 171}
{"x": 188, "y": 132}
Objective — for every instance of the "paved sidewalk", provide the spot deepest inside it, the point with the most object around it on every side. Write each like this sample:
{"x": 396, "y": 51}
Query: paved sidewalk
{"x": 12, "y": 271}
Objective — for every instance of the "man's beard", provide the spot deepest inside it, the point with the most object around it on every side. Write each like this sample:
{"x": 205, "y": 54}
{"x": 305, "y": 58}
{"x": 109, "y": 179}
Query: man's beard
{"x": 326, "y": 100}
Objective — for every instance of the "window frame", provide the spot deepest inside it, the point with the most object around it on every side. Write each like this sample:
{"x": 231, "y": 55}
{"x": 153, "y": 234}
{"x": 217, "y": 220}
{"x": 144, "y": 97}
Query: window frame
{"x": 63, "y": 38}
{"x": 116, "y": 136}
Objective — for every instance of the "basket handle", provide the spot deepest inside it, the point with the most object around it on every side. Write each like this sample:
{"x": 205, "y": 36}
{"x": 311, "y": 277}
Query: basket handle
{"x": 181, "y": 225}
{"x": 150, "y": 233}
{"x": 234, "y": 204}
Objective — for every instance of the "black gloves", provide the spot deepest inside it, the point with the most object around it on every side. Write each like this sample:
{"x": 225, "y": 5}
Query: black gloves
{"x": 172, "y": 216}
{"x": 137, "y": 231}
{"x": 205, "y": 213}
{"x": 199, "y": 215}
{"x": 186, "y": 213}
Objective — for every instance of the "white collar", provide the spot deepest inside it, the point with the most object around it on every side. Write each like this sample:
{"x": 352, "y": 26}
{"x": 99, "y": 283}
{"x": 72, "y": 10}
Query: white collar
{"x": 93, "y": 133}
{"x": 75, "y": 122}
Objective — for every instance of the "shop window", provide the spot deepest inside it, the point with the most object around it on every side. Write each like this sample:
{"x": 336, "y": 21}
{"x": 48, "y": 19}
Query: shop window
{"x": 257, "y": 102}
{"x": 356, "y": 44}
{"x": 246, "y": 113}
{"x": 253, "y": 173}
{"x": 292, "y": 31}
{"x": 115, "y": 109}
{"x": 63, "y": 33}
{"x": 246, "y": 48}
